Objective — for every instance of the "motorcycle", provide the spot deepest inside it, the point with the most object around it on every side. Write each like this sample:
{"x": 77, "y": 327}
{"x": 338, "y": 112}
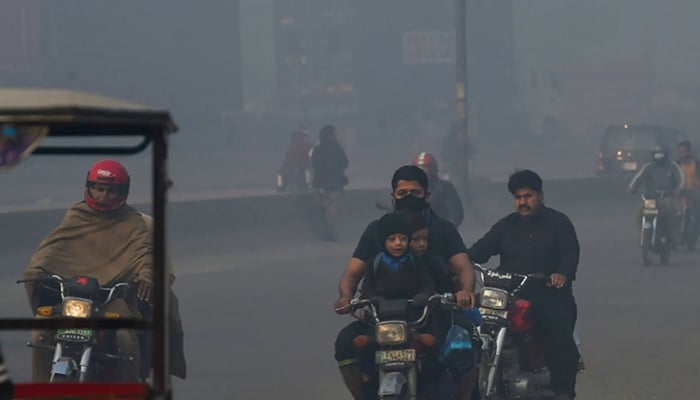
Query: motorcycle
{"x": 400, "y": 348}
{"x": 512, "y": 362}
{"x": 689, "y": 224}
{"x": 655, "y": 233}
{"x": 80, "y": 355}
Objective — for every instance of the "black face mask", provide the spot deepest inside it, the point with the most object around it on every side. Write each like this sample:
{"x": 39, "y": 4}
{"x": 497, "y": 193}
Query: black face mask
{"x": 410, "y": 203}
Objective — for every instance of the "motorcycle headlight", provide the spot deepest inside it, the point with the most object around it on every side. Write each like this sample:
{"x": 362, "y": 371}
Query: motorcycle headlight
{"x": 391, "y": 333}
{"x": 494, "y": 298}
{"x": 77, "y": 308}
{"x": 649, "y": 203}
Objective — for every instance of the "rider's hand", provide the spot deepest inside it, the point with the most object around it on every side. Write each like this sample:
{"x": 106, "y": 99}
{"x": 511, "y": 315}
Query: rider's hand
{"x": 342, "y": 305}
{"x": 145, "y": 290}
{"x": 465, "y": 299}
{"x": 557, "y": 280}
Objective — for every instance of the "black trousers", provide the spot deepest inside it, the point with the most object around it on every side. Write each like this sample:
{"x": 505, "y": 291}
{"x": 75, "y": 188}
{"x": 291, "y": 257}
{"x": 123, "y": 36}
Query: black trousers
{"x": 345, "y": 352}
{"x": 555, "y": 312}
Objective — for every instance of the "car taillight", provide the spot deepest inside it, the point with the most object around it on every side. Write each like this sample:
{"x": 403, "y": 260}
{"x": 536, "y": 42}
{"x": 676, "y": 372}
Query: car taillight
{"x": 599, "y": 162}
{"x": 519, "y": 320}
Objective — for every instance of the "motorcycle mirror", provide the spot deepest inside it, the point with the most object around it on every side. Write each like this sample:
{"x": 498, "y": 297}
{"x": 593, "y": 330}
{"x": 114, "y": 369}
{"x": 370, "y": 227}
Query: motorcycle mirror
{"x": 17, "y": 142}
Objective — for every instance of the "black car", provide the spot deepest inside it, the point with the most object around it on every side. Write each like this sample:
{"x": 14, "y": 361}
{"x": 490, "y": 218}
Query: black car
{"x": 626, "y": 148}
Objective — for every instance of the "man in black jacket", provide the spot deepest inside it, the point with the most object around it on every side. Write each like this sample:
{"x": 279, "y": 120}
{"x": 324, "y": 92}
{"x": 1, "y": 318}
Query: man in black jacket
{"x": 329, "y": 164}
{"x": 410, "y": 194}
{"x": 538, "y": 239}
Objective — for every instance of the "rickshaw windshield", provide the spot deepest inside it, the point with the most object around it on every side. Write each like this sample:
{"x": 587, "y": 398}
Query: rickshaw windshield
{"x": 84, "y": 298}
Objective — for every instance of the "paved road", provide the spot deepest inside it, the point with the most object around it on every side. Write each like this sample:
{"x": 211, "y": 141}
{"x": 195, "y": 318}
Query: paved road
{"x": 259, "y": 325}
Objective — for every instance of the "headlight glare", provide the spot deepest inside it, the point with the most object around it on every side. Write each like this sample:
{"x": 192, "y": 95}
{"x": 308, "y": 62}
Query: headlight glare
{"x": 494, "y": 298}
{"x": 77, "y": 308}
{"x": 391, "y": 333}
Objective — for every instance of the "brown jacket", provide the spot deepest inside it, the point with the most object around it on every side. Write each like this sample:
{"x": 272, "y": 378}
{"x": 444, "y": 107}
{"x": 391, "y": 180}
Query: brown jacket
{"x": 114, "y": 247}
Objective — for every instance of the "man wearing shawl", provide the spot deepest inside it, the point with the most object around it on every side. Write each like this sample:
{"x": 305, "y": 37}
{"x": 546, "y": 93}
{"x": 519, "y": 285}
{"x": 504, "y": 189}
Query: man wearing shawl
{"x": 103, "y": 238}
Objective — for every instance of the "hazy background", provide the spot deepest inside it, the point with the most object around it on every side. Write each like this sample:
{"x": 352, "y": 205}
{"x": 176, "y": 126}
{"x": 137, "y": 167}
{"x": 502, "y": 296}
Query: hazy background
{"x": 545, "y": 78}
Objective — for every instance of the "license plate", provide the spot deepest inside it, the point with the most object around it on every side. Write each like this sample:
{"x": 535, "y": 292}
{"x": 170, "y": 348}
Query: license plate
{"x": 496, "y": 313}
{"x": 384, "y": 357}
{"x": 650, "y": 211}
{"x": 75, "y": 335}
{"x": 629, "y": 166}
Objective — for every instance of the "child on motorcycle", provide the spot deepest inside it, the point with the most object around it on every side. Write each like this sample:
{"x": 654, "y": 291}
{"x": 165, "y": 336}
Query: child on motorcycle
{"x": 394, "y": 274}
{"x": 461, "y": 371}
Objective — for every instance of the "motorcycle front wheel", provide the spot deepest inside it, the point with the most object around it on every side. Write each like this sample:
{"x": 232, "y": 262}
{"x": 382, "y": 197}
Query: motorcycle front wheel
{"x": 484, "y": 371}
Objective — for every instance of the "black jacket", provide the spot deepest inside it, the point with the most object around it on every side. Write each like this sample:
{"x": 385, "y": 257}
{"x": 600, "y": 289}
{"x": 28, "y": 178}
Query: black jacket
{"x": 329, "y": 162}
{"x": 544, "y": 243}
{"x": 659, "y": 177}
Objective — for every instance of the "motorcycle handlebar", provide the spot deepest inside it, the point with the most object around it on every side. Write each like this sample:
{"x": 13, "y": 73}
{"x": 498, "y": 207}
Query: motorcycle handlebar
{"x": 58, "y": 278}
{"x": 524, "y": 279}
{"x": 43, "y": 278}
{"x": 537, "y": 276}
{"x": 658, "y": 194}
{"x": 446, "y": 299}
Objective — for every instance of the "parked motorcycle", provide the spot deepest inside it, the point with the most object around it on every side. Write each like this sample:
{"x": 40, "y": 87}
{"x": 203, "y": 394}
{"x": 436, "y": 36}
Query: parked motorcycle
{"x": 80, "y": 355}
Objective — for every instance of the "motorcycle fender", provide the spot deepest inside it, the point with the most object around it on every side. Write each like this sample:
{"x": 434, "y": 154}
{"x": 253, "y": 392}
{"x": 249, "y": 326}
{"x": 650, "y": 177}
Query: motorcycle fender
{"x": 58, "y": 353}
{"x": 392, "y": 384}
{"x": 64, "y": 366}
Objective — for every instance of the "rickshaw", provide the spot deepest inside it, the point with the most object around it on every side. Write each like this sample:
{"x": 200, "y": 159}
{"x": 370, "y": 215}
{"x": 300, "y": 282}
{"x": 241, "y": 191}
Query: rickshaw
{"x": 27, "y": 117}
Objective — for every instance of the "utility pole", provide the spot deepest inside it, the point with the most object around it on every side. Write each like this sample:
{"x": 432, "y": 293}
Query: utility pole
{"x": 461, "y": 103}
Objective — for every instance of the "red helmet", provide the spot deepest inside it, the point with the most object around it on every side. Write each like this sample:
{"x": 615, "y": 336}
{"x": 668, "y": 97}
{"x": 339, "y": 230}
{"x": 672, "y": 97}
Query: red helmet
{"x": 425, "y": 159}
{"x": 107, "y": 172}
